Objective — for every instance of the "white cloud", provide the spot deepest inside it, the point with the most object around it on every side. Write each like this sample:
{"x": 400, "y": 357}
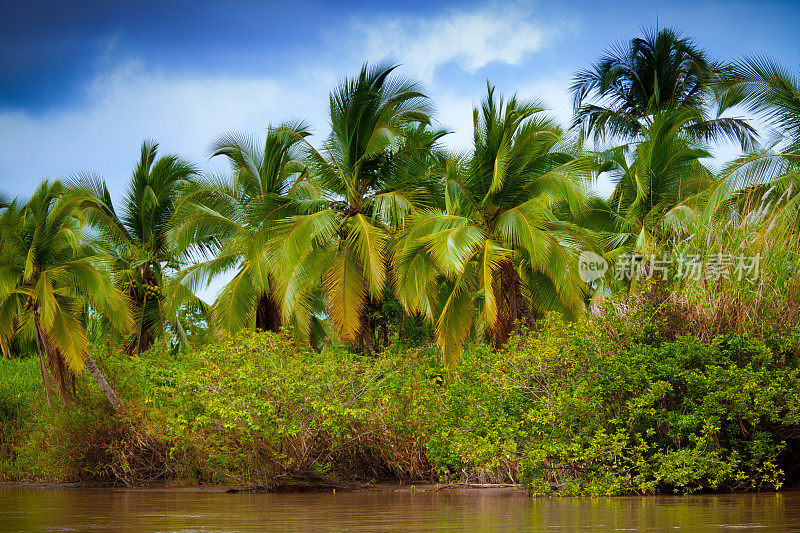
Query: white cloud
{"x": 130, "y": 101}
{"x": 496, "y": 32}
{"x": 454, "y": 113}
{"x": 129, "y": 104}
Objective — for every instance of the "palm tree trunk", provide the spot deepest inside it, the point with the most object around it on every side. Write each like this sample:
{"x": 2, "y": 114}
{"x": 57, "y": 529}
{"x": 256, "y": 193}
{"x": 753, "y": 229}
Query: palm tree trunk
{"x": 55, "y": 362}
{"x": 268, "y": 314}
{"x": 511, "y": 306}
{"x": 59, "y": 372}
{"x": 112, "y": 397}
{"x": 144, "y": 337}
{"x": 42, "y": 367}
{"x": 367, "y": 334}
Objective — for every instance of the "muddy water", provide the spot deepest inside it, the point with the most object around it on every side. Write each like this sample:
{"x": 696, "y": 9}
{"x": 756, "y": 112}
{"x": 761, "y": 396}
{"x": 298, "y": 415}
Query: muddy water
{"x": 50, "y": 509}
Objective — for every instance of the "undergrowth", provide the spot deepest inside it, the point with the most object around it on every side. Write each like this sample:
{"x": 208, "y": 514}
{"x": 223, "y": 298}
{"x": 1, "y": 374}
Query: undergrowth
{"x": 612, "y": 405}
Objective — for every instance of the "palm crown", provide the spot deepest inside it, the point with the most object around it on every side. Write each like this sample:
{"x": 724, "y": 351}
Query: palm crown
{"x": 622, "y": 92}
{"x": 343, "y": 239}
{"x": 233, "y": 218}
{"x": 50, "y": 273}
{"x": 660, "y": 184}
{"x": 499, "y": 242}
{"x": 138, "y": 235}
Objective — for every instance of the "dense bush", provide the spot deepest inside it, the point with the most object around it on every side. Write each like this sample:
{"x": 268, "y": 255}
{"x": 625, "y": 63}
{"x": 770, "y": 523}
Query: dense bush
{"x": 253, "y": 409}
{"x": 72, "y": 443}
{"x": 607, "y": 406}
{"x": 569, "y": 409}
{"x": 250, "y": 409}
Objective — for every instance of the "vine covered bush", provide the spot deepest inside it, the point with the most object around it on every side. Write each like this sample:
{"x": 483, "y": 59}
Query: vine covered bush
{"x": 566, "y": 409}
{"x": 569, "y": 409}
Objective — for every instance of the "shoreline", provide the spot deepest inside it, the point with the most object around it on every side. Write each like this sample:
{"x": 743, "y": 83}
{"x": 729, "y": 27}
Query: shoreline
{"x": 383, "y": 488}
{"x": 247, "y": 413}
{"x": 284, "y": 489}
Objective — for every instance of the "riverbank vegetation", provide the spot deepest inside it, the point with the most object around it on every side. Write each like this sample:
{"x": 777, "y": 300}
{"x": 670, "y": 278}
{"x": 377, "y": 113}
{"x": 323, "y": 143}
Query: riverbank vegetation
{"x": 395, "y": 311}
{"x": 567, "y": 409}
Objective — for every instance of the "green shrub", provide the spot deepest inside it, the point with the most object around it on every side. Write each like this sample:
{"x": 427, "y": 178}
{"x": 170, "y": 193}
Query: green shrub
{"x": 568, "y": 409}
{"x": 252, "y": 408}
{"x": 608, "y": 406}
{"x": 62, "y": 444}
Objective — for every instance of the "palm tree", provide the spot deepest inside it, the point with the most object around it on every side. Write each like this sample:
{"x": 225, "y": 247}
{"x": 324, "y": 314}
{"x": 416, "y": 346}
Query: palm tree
{"x": 498, "y": 245}
{"x": 138, "y": 236}
{"x": 769, "y": 90}
{"x": 768, "y": 176}
{"x": 344, "y": 239}
{"x": 49, "y": 274}
{"x": 620, "y": 95}
{"x": 660, "y": 185}
{"x": 232, "y": 219}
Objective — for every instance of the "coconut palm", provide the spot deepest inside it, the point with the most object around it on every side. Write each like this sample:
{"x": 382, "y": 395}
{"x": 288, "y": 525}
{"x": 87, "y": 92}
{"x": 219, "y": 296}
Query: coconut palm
{"x": 232, "y": 219}
{"x": 498, "y": 245}
{"x": 137, "y": 236}
{"x": 50, "y": 273}
{"x": 660, "y": 184}
{"x": 344, "y": 239}
{"x": 759, "y": 188}
{"x": 620, "y": 94}
{"x": 769, "y": 90}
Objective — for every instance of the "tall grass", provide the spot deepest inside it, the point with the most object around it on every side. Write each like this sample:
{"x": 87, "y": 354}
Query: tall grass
{"x": 753, "y": 240}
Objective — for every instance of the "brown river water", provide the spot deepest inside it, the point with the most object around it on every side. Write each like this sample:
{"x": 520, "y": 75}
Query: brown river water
{"x": 72, "y": 509}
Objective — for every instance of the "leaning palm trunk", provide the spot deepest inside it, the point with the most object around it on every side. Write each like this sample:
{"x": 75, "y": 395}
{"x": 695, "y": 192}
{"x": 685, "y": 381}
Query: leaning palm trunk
{"x": 58, "y": 369}
{"x": 112, "y": 397}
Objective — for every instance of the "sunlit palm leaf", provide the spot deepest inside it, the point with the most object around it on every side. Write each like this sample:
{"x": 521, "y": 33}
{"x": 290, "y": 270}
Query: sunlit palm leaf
{"x": 347, "y": 292}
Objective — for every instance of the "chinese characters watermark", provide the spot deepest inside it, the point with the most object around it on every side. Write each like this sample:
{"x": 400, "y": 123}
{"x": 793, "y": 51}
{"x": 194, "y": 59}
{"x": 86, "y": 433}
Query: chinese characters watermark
{"x": 716, "y": 266}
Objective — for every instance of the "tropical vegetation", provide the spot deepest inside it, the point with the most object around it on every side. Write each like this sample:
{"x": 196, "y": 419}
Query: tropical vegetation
{"x": 392, "y": 309}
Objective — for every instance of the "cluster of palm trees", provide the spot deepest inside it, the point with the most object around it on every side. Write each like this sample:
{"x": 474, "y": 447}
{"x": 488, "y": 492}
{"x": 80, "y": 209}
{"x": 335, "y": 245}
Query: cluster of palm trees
{"x": 317, "y": 235}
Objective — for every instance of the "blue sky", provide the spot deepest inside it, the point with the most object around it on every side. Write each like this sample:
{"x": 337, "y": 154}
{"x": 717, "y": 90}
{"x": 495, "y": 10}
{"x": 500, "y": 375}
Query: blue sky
{"x": 82, "y": 83}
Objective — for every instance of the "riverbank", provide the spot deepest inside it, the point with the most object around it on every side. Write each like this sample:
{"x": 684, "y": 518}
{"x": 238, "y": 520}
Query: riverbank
{"x": 602, "y": 407}
{"x": 399, "y": 487}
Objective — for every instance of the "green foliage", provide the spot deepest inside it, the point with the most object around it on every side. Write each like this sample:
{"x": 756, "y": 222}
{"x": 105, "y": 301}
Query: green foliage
{"x": 20, "y": 397}
{"x": 231, "y": 218}
{"x": 379, "y": 239}
{"x": 64, "y": 444}
{"x": 498, "y": 253}
{"x": 566, "y": 409}
{"x": 253, "y": 408}
{"x": 569, "y": 409}
{"x": 50, "y": 273}
{"x": 372, "y": 170}
{"x": 136, "y": 236}
{"x": 619, "y": 95}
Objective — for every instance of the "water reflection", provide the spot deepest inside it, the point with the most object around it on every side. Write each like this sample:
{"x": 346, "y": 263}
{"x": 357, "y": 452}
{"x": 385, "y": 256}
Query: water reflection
{"x": 47, "y": 509}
